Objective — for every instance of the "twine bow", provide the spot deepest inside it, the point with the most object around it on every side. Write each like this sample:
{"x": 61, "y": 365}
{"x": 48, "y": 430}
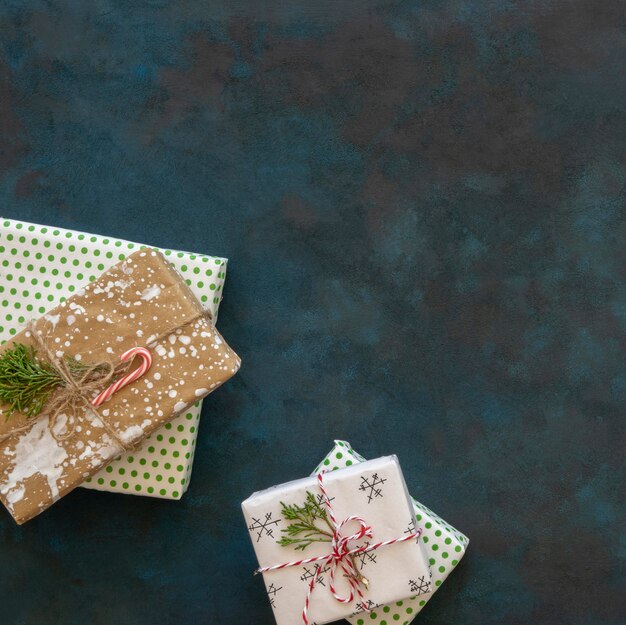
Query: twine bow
{"x": 79, "y": 384}
{"x": 341, "y": 556}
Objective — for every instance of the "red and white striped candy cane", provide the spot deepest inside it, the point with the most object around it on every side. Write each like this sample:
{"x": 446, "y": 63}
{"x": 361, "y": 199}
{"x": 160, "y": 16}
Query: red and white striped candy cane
{"x": 146, "y": 363}
{"x": 341, "y": 555}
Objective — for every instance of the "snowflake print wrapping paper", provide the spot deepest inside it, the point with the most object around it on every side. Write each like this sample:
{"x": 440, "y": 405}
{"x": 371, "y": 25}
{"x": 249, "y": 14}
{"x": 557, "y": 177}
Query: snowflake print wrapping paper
{"x": 142, "y": 301}
{"x": 445, "y": 546}
{"x": 376, "y": 492}
{"x": 40, "y": 266}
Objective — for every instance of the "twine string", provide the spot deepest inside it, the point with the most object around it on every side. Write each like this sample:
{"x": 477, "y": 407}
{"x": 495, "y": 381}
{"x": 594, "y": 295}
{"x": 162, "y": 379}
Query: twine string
{"x": 77, "y": 390}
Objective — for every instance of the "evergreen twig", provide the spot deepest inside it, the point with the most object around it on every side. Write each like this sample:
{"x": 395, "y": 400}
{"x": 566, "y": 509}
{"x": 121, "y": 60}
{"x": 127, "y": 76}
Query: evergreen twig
{"x": 25, "y": 382}
{"x": 305, "y": 530}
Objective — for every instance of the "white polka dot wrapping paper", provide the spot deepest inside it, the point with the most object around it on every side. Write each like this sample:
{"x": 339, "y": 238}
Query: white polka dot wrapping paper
{"x": 444, "y": 544}
{"x": 371, "y": 492}
{"x": 40, "y": 266}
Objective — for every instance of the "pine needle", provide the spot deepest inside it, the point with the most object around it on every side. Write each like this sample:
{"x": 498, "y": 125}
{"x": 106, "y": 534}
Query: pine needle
{"x": 305, "y": 530}
{"x": 25, "y": 382}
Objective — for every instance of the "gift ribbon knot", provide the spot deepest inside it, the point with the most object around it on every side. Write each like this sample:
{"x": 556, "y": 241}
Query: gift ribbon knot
{"x": 78, "y": 387}
{"x": 341, "y": 556}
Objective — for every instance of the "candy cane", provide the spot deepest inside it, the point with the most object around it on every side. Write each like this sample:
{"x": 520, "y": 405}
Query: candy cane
{"x": 146, "y": 358}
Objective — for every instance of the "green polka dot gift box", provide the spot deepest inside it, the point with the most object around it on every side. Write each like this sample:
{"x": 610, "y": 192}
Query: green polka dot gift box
{"x": 444, "y": 544}
{"x": 40, "y": 267}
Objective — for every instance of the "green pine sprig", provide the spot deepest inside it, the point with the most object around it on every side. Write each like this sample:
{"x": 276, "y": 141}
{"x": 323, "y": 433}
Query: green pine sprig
{"x": 25, "y": 382}
{"x": 306, "y": 521}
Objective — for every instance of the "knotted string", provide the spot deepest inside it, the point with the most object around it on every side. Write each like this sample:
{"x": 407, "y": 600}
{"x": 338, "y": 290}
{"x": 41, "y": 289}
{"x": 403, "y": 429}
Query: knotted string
{"x": 79, "y": 384}
{"x": 78, "y": 387}
{"x": 341, "y": 556}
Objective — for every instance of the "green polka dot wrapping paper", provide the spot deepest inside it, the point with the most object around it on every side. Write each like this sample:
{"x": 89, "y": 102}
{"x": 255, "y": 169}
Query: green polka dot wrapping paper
{"x": 444, "y": 544}
{"x": 40, "y": 266}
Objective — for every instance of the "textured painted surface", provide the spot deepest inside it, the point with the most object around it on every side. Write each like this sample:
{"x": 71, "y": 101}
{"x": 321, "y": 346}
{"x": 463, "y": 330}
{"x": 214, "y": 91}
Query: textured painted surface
{"x": 422, "y": 204}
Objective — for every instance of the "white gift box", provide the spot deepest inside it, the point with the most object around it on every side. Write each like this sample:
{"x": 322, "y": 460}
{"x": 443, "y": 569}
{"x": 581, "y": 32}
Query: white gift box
{"x": 376, "y": 492}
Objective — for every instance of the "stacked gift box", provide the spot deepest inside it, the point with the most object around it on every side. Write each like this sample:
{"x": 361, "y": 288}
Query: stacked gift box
{"x": 41, "y": 267}
{"x": 349, "y": 542}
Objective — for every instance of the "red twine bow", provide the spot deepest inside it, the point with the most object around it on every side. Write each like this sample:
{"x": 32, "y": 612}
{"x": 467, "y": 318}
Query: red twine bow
{"x": 340, "y": 556}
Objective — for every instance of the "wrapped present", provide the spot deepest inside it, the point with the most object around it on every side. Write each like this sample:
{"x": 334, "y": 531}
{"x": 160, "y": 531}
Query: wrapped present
{"x": 337, "y": 544}
{"x": 445, "y": 546}
{"x": 40, "y": 267}
{"x": 66, "y": 412}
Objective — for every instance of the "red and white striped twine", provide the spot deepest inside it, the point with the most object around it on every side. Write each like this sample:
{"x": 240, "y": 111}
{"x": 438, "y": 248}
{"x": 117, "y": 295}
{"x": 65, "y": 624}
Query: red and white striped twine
{"x": 146, "y": 358}
{"x": 340, "y": 556}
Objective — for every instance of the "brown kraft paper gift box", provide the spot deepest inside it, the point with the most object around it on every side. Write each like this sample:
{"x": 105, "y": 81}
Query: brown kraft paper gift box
{"x": 141, "y": 301}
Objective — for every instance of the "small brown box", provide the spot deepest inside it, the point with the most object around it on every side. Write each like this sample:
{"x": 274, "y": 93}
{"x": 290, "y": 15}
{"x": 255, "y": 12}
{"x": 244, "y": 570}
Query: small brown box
{"x": 141, "y": 301}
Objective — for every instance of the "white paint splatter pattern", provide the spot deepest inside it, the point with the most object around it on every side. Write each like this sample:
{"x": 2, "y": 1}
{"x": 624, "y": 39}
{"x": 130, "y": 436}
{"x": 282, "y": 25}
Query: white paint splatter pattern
{"x": 143, "y": 295}
{"x": 36, "y": 452}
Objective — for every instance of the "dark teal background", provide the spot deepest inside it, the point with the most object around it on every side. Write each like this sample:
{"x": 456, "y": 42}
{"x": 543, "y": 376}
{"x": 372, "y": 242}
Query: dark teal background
{"x": 423, "y": 207}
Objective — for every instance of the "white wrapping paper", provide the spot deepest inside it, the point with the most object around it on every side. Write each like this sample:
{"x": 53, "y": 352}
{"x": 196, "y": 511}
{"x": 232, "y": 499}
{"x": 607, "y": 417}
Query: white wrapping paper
{"x": 374, "y": 490}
